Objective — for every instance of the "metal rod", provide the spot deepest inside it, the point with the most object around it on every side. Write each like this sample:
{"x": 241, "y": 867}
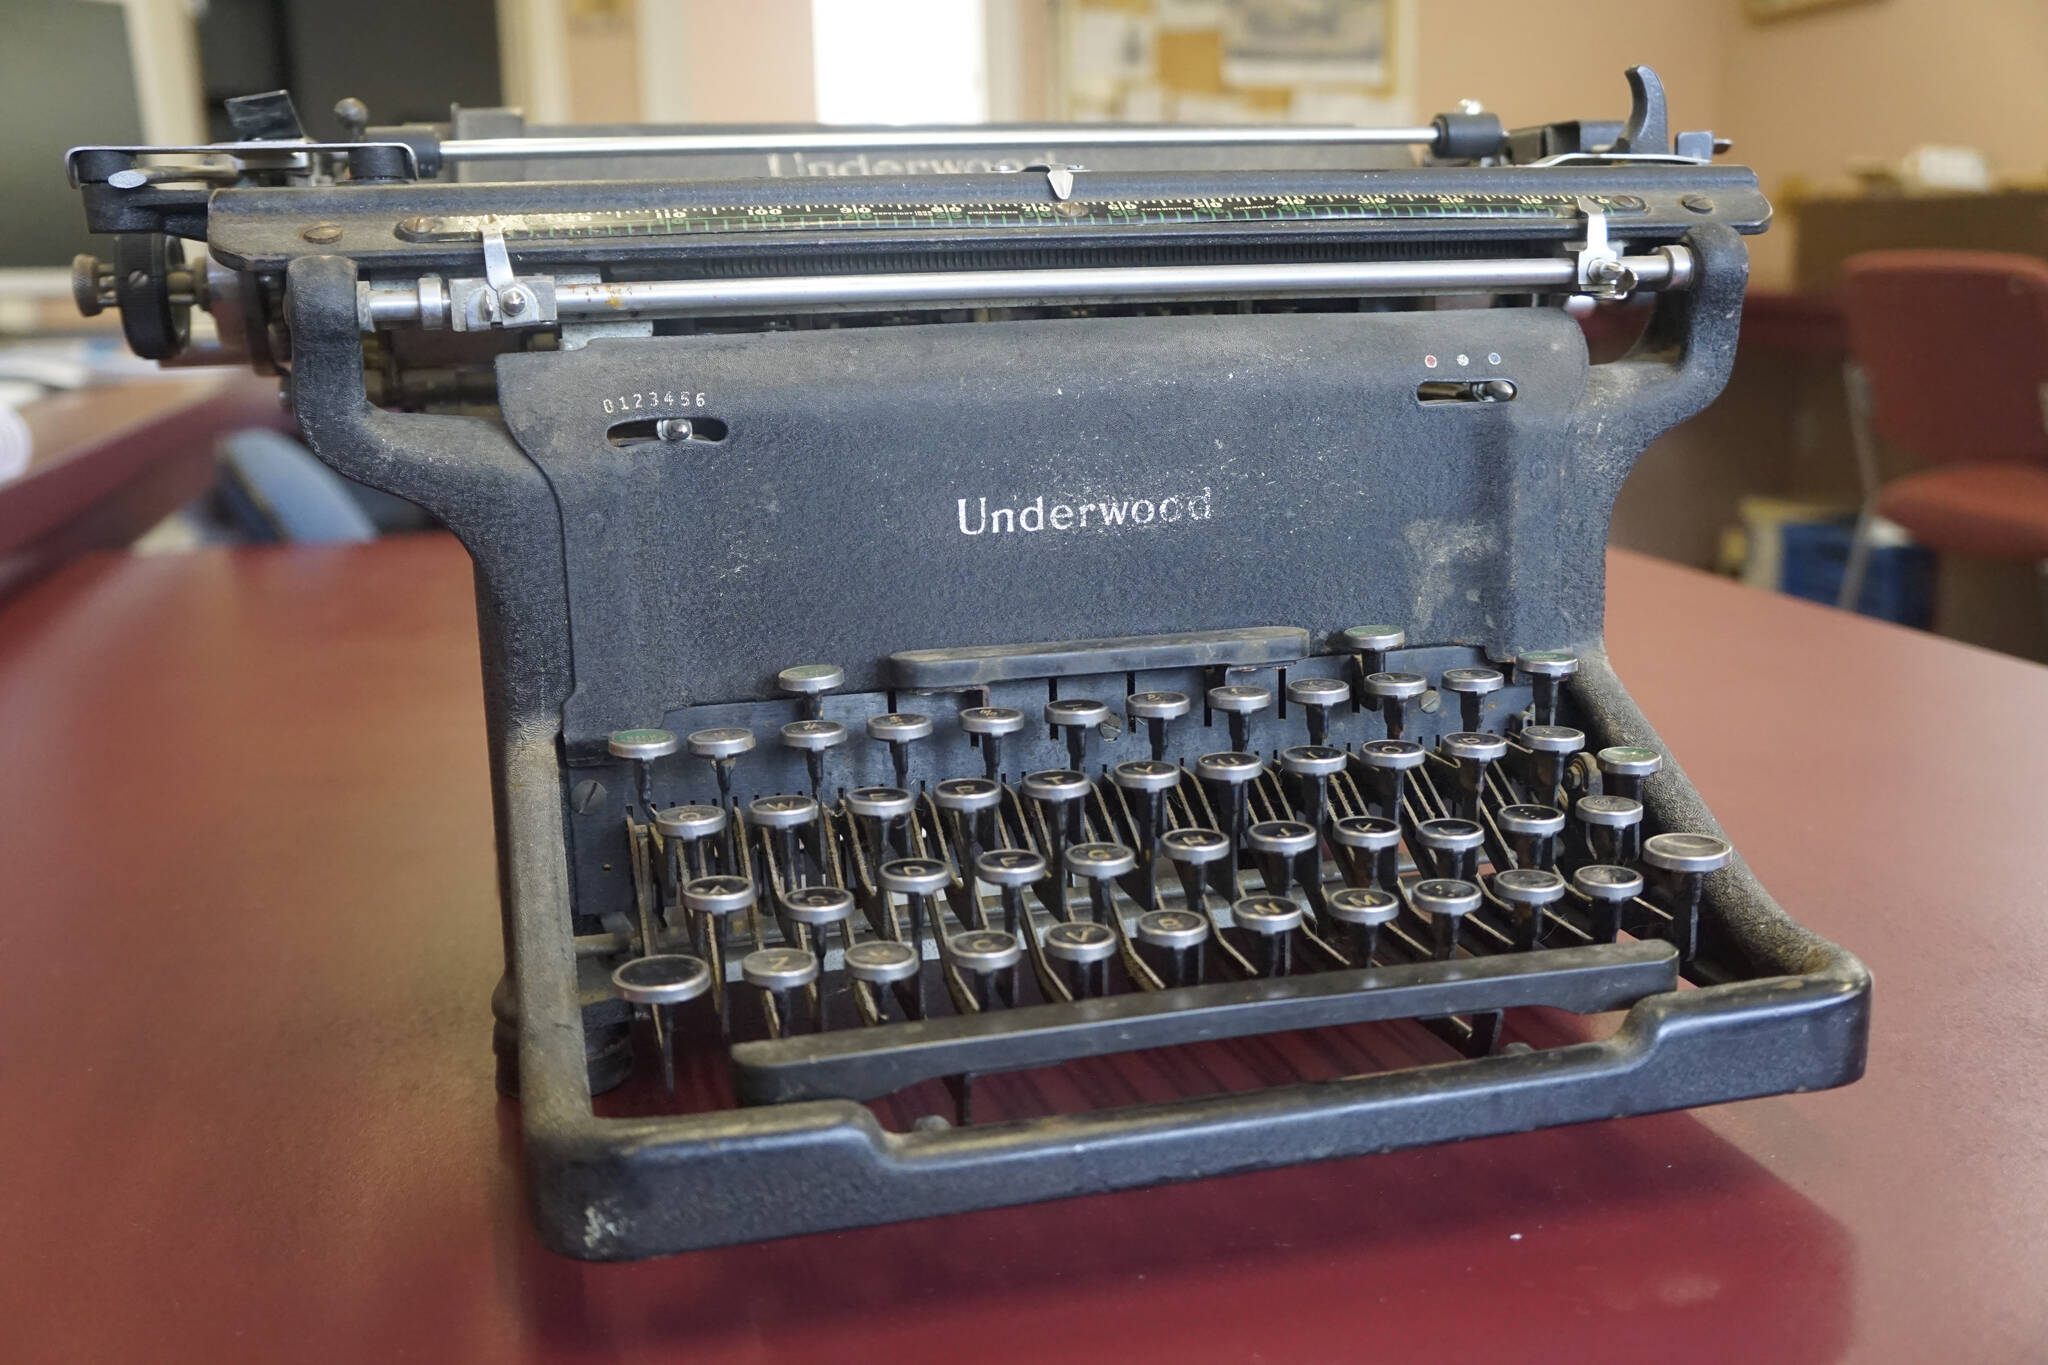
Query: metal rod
{"x": 888, "y": 139}
{"x": 394, "y": 302}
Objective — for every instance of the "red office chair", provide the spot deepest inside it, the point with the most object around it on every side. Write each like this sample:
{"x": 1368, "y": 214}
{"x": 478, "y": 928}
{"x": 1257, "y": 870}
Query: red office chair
{"x": 1949, "y": 362}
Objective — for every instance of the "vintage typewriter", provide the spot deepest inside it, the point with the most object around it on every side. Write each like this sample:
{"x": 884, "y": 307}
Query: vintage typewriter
{"x": 1071, "y": 670}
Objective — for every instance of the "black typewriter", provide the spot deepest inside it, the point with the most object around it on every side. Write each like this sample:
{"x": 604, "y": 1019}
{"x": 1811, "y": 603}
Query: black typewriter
{"x": 1078, "y": 669}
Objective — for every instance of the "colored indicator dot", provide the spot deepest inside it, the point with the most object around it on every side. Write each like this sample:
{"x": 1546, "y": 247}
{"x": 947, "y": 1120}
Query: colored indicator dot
{"x": 1493, "y": 357}
{"x": 1464, "y": 360}
{"x": 1429, "y": 362}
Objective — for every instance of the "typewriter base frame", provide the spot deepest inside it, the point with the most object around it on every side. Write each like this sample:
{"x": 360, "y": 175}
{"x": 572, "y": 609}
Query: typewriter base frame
{"x": 621, "y": 1189}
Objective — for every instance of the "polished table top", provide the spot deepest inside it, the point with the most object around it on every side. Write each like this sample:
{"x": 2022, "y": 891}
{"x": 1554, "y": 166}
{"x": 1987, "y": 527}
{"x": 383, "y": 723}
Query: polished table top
{"x": 248, "y": 934}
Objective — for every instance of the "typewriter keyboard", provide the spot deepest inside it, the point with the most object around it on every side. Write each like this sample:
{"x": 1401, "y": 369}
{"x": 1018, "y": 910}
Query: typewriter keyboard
{"x": 1350, "y": 839}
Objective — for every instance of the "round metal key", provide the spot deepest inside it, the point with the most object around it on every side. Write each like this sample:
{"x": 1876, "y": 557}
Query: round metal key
{"x": 1067, "y": 712}
{"x": 879, "y": 961}
{"x": 1613, "y": 812}
{"x": 985, "y": 950}
{"x": 991, "y": 720}
{"x": 1477, "y": 746}
{"x": 1266, "y": 914}
{"x": 1145, "y": 775}
{"x": 1629, "y": 760}
{"x": 1312, "y": 760}
{"x": 1242, "y": 699}
{"x": 1687, "y": 852}
{"x": 1396, "y": 686}
{"x": 1286, "y": 838}
{"x": 1099, "y": 862}
{"x": 1548, "y": 663}
{"x": 782, "y": 812}
{"x": 1009, "y": 867}
{"x": 1391, "y": 755}
{"x": 1444, "y": 896}
{"x": 1172, "y": 928}
{"x": 1079, "y": 941}
{"x": 1607, "y": 882}
{"x": 881, "y": 803}
{"x": 1366, "y": 905}
{"x": 1552, "y": 739}
{"x": 1229, "y": 767}
{"x": 1476, "y": 682}
{"x": 899, "y": 727}
{"x": 1369, "y": 832}
{"x": 643, "y": 745}
{"x": 663, "y": 979}
{"x": 809, "y": 680}
{"x": 718, "y": 895}
{"x": 1157, "y": 705}
{"x": 1371, "y": 639}
{"x": 1528, "y": 819}
{"x": 915, "y": 876}
{"x": 1057, "y": 785}
{"x": 813, "y": 736}
{"x": 1527, "y": 886}
{"x": 689, "y": 822}
{"x": 818, "y": 904}
{"x": 1195, "y": 845}
{"x": 721, "y": 741}
{"x": 779, "y": 969}
{"x": 967, "y": 794}
{"x": 1324, "y": 692}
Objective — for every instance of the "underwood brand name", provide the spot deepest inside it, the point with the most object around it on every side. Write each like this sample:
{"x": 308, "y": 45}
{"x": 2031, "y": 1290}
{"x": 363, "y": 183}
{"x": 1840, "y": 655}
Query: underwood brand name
{"x": 977, "y": 516}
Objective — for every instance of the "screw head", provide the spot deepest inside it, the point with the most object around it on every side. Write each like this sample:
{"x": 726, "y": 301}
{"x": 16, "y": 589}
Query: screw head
{"x": 1696, "y": 203}
{"x": 322, "y": 234}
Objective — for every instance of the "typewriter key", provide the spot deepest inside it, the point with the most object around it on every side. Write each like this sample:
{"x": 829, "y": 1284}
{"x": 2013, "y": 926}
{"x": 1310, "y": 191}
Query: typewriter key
{"x": 643, "y": 747}
{"x": 1626, "y": 768}
{"x": 1240, "y": 702}
{"x": 1370, "y": 644}
{"x": 1147, "y": 781}
{"x": 1179, "y": 934}
{"x": 1311, "y": 766}
{"x": 1550, "y": 747}
{"x": 917, "y": 880}
{"x": 1100, "y": 865}
{"x": 723, "y": 745}
{"x": 1453, "y": 846}
{"x": 1155, "y": 709}
{"x": 1074, "y": 717}
{"x": 1387, "y": 760}
{"x": 1546, "y": 671}
{"x": 879, "y": 962}
{"x": 1474, "y": 751}
{"x": 691, "y": 826}
{"x": 1281, "y": 847}
{"x": 781, "y": 972}
{"x": 1061, "y": 797}
{"x": 988, "y": 725}
{"x": 989, "y": 958}
{"x": 1194, "y": 849}
{"x": 885, "y": 810}
{"x": 1367, "y": 910}
{"x": 1446, "y": 901}
{"x": 813, "y": 738}
{"x": 783, "y": 817}
{"x": 816, "y": 909}
{"x": 1271, "y": 922}
{"x": 1525, "y": 891}
{"x": 1472, "y": 686}
{"x": 1681, "y": 863}
{"x": 1608, "y": 889}
{"x": 1084, "y": 950}
{"x": 1612, "y": 826}
{"x": 970, "y": 798}
{"x": 1010, "y": 870}
{"x": 1229, "y": 776}
{"x": 1532, "y": 830}
{"x": 899, "y": 729}
{"x": 1375, "y": 849}
{"x": 1391, "y": 693}
{"x": 1317, "y": 697}
{"x": 660, "y": 983}
{"x": 809, "y": 683}
{"x": 712, "y": 900}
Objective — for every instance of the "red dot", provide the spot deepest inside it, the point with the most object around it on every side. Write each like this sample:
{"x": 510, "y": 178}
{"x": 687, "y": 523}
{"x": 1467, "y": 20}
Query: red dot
{"x": 1429, "y": 361}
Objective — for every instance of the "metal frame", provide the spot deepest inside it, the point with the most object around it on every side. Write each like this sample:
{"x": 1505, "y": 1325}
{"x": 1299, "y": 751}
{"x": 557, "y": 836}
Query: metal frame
{"x": 1794, "y": 1016}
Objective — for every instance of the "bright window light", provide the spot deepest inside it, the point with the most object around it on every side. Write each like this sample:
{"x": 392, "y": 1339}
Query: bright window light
{"x": 899, "y": 61}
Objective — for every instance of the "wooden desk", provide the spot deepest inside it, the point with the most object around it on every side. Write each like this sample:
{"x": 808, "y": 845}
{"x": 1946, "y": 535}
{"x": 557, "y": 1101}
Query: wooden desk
{"x": 250, "y": 930}
{"x": 111, "y": 462}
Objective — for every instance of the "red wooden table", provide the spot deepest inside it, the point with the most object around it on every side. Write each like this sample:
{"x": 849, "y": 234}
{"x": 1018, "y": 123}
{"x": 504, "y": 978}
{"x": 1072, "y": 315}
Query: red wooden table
{"x": 248, "y": 932}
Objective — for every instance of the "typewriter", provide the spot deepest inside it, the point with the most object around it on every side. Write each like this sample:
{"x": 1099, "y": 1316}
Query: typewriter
{"x": 1059, "y": 666}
